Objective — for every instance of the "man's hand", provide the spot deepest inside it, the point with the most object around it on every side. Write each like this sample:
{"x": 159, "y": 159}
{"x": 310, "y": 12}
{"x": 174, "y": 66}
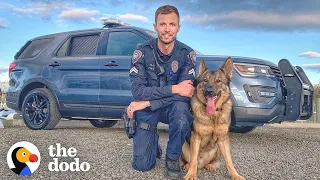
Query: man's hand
{"x": 136, "y": 106}
{"x": 185, "y": 88}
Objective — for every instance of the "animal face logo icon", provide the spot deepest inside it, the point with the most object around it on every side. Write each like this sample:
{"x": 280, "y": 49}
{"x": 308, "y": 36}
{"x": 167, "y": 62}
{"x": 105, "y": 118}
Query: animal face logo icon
{"x": 23, "y": 158}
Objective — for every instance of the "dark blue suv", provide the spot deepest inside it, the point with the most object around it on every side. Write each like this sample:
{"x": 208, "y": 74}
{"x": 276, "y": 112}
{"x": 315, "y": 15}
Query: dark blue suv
{"x": 85, "y": 75}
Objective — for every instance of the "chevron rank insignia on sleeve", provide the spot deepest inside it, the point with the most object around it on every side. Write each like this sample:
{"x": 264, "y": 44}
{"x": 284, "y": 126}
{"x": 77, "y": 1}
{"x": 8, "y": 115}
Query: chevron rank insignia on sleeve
{"x": 134, "y": 69}
{"x": 192, "y": 72}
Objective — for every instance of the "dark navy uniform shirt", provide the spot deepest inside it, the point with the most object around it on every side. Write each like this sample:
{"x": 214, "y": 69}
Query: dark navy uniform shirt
{"x": 153, "y": 73}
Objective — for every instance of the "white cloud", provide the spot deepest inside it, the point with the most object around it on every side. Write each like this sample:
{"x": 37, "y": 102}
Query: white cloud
{"x": 95, "y": 20}
{"x": 126, "y": 17}
{"x": 133, "y": 17}
{"x": 256, "y": 20}
{"x": 3, "y": 23}
{"x": 312, "y": 67}
{"x": 3, "y": 69}
{"x": 47, "y": 9}
{"x": 79, "y": 14}
{"x": 41, "y": 9}
{"x": 60, "y": 23}
{"x": 271, "y": 15}
{"x": 4, "y": 77}
{"x": 310, "y": 54}
{"x": 6, "y": 6}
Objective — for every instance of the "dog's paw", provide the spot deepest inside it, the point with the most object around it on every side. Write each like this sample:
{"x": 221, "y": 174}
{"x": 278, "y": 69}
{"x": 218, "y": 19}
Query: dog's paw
{"x": 210, "y": 167}
{"x": 238, "y": 178}
{"x": 191, "y": 175}
{"x": 186, "y": 167}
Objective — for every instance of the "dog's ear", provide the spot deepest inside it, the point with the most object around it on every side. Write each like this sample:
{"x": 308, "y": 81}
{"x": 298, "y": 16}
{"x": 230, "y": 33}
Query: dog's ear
{"x": 202, "y": 68}
{"x": 227, "y": 68}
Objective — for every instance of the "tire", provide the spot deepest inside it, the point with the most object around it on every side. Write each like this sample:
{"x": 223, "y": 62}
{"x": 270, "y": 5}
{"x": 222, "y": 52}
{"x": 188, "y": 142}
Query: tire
{"x": 103, "y": 123}
{"x": 40, "y": 110}
{"x": 241, "y": 129}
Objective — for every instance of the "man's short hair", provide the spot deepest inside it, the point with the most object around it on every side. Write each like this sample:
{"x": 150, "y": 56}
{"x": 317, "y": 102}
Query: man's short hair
{"x": 167, "y": 9}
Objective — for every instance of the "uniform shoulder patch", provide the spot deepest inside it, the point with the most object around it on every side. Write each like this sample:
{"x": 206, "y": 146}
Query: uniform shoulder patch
{"x": 192, "y": 57}
{"x": 137, "y": 55}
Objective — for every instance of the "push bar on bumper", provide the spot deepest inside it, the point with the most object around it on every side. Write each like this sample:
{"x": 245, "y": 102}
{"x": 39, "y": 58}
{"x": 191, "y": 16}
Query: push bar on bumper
{"x": 299, "y": 91}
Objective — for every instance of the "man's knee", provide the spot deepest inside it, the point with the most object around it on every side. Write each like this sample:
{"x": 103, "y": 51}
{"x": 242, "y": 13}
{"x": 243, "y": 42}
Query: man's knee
{"x": 145, "y": 145}
{"x": 180, "y": 112}
{"x": 147, "y": 117}
{"x": 181, "y": 104}
{"x": 180, "y": 107}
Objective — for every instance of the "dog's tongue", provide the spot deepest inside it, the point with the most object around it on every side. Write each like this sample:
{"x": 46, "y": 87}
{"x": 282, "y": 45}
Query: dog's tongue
{"x": 211, "y": 105}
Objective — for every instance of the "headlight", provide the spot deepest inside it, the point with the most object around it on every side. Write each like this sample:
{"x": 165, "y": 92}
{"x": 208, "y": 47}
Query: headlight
{"x": 253, "y": 70}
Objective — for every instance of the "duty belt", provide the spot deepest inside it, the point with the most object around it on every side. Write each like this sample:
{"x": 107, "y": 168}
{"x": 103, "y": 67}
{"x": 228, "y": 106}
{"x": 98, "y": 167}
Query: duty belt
{"x": 147, "y": 127}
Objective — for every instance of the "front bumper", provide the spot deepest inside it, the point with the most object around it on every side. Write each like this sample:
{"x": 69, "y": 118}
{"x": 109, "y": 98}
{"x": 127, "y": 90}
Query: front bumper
{"x": 285, "y": 97}
{"x": 257, "y": 116}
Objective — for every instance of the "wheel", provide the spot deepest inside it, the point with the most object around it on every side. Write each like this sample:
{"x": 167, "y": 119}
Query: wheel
{"x": 241, "y": 129}
{"x": 40, "y": 110}
{"x": 103, "y": 123}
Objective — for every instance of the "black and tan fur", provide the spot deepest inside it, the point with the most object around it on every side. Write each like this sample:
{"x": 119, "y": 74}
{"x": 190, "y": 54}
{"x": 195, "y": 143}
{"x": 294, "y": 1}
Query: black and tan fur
{"x": 210, "y": 137}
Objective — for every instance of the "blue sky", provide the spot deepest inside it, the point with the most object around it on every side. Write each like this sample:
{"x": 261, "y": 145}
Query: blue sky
{"x": 269, "y": 29}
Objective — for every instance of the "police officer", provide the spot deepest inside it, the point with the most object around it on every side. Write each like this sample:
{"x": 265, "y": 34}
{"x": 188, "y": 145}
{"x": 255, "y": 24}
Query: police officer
{"x": 162, "y": 73}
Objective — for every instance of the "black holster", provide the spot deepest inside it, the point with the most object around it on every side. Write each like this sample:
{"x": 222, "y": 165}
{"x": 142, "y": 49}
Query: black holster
{"x": 129, "y": 124}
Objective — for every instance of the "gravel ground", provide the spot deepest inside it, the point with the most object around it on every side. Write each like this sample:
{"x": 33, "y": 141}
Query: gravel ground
{"x": 266, "y": 153}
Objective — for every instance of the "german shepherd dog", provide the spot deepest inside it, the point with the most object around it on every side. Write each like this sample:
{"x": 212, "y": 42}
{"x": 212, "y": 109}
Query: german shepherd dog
{"x": 211, "y": 107}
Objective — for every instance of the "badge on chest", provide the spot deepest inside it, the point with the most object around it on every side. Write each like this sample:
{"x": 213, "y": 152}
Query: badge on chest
{"x": 174, "y": 66}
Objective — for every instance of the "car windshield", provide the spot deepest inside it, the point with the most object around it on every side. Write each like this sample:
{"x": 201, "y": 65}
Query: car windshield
{"x": 151, "y": 33}
{"x": 155, "y": 35}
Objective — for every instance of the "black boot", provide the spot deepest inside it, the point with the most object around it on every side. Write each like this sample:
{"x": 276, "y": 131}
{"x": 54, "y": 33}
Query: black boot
{"x": 173, "y": 170}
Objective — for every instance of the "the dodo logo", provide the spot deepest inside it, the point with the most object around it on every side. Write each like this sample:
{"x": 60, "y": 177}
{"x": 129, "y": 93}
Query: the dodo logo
{"x": 23, "y": 158}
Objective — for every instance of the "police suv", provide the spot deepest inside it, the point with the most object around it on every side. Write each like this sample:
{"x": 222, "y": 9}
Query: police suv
{"x": 84, "y": 75}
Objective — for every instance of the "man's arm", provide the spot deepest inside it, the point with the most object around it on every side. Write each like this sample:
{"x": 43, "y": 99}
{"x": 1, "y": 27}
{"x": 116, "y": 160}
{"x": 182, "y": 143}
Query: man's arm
{"x": 140, "y": 90}
{"x": 187, "y": 73}
{"x": 165, "y": 102}
{"x": 183, "y": 91}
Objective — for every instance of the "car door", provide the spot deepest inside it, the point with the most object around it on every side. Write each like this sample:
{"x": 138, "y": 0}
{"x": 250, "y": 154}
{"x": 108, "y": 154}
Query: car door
{"x": 75, "y": 72}
{"x": 115, "y": 61}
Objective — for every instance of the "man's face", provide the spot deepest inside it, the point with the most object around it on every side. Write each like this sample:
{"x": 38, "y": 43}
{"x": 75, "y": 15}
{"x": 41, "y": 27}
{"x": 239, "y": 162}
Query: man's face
{"x": 167, "y": 27}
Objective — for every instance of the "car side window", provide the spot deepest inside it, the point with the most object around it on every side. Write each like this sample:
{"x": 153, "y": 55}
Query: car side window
{"x": 34, "y": 48}
{"x": 79, "y": 46}
{"x": 122, "y": 43}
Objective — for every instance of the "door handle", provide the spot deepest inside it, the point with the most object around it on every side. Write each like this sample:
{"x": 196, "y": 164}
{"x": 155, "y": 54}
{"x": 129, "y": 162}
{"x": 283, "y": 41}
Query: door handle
{"x": 54, "y": 64}
{"x": 112, "y": 63}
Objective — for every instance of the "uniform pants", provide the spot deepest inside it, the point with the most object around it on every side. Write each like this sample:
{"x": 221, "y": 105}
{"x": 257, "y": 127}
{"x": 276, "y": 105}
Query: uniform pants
{"x": 145, "y": 142}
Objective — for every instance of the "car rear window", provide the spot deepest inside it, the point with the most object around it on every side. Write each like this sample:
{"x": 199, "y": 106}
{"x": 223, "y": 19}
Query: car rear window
{"x": 79, "y": 46}
{"x": 34, "y": 48}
